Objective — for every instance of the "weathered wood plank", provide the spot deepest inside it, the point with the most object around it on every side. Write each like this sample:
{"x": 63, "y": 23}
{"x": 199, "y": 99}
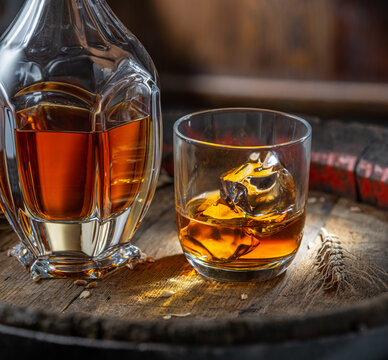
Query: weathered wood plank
{"x": 137, "y": 294}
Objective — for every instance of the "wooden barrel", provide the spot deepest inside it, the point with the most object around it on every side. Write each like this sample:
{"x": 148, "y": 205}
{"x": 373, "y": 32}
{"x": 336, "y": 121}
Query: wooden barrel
{"x": 165, "y": 310}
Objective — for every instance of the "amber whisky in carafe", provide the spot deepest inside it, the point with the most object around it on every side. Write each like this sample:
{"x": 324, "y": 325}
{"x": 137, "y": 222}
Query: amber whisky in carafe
{"x": 75, "y": 175}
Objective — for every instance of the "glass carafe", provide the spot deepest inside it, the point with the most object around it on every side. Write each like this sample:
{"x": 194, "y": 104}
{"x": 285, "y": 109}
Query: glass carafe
{"x": 80, "y": 137}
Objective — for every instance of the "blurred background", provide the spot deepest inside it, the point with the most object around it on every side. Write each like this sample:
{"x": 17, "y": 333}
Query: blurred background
{"x": 325, "y": 57}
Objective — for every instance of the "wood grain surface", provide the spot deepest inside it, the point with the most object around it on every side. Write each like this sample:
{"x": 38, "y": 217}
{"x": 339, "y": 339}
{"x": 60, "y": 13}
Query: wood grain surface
{"x": 138, "y": 294}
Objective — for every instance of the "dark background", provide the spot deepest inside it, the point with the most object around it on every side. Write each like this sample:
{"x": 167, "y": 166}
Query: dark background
{"x": 323, "y": 57}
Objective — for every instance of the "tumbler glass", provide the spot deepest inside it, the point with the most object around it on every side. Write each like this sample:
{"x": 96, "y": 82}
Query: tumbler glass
{"x": 241, "y": 183}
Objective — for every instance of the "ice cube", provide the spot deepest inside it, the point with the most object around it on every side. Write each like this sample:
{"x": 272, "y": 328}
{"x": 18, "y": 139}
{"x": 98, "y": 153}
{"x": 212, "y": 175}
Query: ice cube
{"x": 216, "y": 210}
{"x": 261, "y": 187}
{"x": 216, "y": 231}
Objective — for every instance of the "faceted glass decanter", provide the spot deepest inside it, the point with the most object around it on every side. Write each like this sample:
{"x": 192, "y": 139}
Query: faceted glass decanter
{"x": 80, "y": 137}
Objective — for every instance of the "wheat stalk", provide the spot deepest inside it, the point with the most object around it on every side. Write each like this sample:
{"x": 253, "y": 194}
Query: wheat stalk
{"x": 337, "y": 269}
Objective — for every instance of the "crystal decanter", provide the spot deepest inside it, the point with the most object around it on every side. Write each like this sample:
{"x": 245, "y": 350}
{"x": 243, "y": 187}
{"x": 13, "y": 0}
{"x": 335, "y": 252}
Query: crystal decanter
{"x": 80, "y": 143}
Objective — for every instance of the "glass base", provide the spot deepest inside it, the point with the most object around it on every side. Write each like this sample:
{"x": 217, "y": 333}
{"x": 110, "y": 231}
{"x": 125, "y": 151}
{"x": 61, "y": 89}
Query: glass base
{"x": 251, "y": 274}
{"x": 67, "y": 265}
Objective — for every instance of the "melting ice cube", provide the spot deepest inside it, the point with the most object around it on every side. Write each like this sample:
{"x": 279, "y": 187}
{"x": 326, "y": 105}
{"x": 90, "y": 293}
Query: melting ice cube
{"x": 259, "y": 187}
{"x": 218, "y": 231}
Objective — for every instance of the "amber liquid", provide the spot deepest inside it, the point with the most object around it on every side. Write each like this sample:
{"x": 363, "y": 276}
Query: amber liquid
{"x": 235, "y": 242}
{"x": 76, "y": 174}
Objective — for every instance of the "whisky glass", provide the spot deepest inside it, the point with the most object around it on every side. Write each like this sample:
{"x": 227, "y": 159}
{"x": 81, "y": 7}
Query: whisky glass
{"x": 80, "y": 137}
{"x": 241, "y": 183}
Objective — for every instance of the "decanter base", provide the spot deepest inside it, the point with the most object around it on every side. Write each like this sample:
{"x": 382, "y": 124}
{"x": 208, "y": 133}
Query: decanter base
{"x": 68, "y": 266}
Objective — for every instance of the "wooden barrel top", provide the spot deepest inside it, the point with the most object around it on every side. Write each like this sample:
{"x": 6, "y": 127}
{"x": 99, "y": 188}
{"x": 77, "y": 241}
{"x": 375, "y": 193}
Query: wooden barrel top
{"x": 131, "y": 306}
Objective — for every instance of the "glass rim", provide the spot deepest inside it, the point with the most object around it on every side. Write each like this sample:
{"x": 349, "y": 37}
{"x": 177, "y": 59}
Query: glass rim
{"x": 235, "y": 109}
